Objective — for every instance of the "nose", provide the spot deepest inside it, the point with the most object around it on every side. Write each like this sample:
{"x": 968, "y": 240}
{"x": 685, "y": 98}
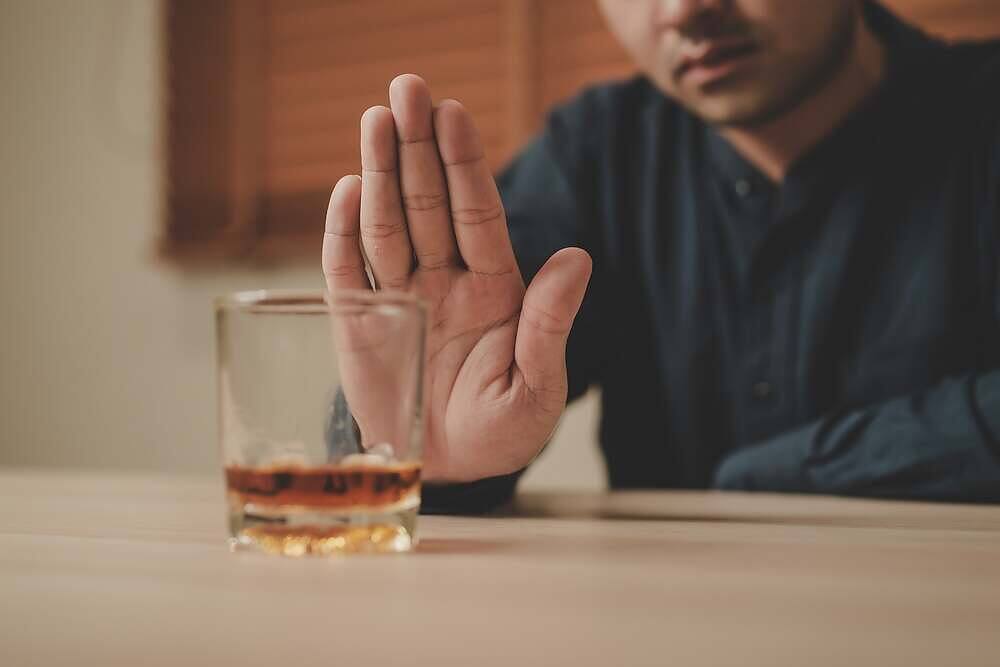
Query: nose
{"x": 682, "y": 14}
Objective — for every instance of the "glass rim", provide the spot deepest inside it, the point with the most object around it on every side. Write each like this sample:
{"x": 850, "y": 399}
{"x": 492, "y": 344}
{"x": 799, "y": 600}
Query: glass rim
{"x": 315, "y": 301}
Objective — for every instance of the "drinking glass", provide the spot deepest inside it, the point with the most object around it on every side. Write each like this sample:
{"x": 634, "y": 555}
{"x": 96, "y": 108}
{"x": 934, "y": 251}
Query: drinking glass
{"x": 319, "y": 402}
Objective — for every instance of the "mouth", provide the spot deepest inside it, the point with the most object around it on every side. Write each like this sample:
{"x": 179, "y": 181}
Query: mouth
{"x": 714, "y": 61}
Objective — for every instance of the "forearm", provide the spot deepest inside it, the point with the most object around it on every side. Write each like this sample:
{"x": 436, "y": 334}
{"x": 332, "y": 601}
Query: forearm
{"x": 942, "y": 443}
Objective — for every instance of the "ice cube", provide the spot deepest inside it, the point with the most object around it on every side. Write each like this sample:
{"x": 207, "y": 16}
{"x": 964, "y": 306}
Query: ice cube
{"x": 289, "y": 454}
{"x": 363, "y": 460}
{"x": 383, "y": 449}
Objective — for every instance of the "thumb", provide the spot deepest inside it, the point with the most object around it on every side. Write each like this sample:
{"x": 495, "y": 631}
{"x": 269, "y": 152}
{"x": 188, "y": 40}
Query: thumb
{"x": 550, "y": 305}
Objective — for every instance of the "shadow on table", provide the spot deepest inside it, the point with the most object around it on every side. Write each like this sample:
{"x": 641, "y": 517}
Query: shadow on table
{"x": 758, "y": 508}
{"x": 459, "y": 546}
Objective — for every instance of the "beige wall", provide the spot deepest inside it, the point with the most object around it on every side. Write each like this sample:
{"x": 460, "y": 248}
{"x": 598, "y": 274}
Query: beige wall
{"x": 106, "y": 356}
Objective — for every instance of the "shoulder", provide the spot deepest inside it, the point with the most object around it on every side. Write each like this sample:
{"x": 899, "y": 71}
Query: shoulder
{"x": 612, "y": 97}
{"x": 949, "y": 100}
{"x": 610, "y": 111}
{"x": 604, "y": 124}
{"x": 978, "y": 65}
{"x": 975, "y": 69}
{"x": 978, "y": 59}
{"x": 969, "y": 73}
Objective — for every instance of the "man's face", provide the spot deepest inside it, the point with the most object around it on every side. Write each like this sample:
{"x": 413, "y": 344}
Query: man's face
{"x": 735, "y": 62}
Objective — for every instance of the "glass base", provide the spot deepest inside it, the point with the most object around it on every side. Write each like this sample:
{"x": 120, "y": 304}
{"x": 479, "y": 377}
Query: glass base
{"x": 297, "y": 531}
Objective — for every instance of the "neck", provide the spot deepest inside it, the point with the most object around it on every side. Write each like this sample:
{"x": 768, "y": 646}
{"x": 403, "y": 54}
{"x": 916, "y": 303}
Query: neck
{"x": 773, "y": 146}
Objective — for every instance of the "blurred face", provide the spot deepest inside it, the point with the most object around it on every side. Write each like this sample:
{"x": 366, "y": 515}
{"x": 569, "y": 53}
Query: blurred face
{"x": 735, "y": 62}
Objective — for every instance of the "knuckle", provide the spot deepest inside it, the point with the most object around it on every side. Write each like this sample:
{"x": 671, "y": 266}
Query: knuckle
{"x": 397, "y": 283}
{"x": 343, "y": 233}
{"x": 546, "y": 392}
{"x": 432, "y": 260}
{"x": 342, "y": 270}
{"x": 543, "y": 320}
{"x": 382, "y": 230}
{"x": 425, "y": 201}
{"x": 477, "y": 216}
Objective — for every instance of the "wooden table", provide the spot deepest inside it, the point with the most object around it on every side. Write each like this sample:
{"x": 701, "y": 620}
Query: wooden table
{"x": 115, "y": 569}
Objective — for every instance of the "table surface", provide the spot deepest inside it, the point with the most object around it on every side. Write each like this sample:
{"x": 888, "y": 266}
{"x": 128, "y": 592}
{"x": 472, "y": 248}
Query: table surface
{"x": 124, "y": 569}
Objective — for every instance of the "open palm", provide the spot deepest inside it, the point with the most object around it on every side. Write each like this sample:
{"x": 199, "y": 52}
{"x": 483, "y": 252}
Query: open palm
{"x": 427, "y": 216}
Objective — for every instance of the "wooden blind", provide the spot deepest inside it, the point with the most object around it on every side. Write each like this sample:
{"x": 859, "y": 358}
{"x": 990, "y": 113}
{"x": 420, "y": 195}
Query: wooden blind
{"x": 330, "y": 61}
{"x": 954, "y": 19}
{"x": 265, "y": 96}
{"x": 576, "y": 50}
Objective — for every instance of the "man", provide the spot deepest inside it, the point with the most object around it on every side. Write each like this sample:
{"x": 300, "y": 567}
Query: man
{"x": 789, "y": 224}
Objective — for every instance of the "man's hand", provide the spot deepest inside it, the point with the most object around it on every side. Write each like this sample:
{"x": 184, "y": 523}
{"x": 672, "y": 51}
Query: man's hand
{"x": 428, "y": 216}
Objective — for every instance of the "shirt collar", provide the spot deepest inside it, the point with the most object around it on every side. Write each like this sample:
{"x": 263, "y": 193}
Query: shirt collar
{"x": 731, "y": 167}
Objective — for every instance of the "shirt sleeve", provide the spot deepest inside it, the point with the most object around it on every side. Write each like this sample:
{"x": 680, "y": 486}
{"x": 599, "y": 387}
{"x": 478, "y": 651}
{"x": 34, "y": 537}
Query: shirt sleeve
{"x": 541, "y": 190}
{"x": 942, "y": 443}
{"x": 479, "y": 497}
{"x": 939, "y": 444}
{"x": 546, "y": 193}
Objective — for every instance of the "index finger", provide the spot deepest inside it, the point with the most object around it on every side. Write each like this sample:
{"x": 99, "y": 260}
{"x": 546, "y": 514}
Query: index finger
{"x": 343, "y": 264}
{"x": 476, "y": 210}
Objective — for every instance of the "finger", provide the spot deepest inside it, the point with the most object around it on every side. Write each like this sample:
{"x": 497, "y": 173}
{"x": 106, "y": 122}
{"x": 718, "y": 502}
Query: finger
{"x": 425, "y": 194}
{"x": 550, "y": 304}
{"x": 343, "y": 264}
{"x": 476, "y": 211}
{"x": 383, "y": 227}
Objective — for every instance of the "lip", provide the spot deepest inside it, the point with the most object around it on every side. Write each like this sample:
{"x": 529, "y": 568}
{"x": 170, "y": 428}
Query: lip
{"x": 714, "y": 61}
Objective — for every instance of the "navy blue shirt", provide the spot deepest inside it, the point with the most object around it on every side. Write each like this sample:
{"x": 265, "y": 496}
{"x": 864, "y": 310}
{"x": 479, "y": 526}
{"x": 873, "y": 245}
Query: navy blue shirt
{"x": 836, "y": 333}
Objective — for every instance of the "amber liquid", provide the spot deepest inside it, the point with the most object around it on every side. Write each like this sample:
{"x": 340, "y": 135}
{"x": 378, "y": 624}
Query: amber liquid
{"x": 297, "y": 510}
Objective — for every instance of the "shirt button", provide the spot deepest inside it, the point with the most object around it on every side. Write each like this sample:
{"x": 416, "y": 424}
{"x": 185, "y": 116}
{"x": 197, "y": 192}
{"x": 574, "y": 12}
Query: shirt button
{"x": 761, "y": 390}
{"x": 742, "y": 187}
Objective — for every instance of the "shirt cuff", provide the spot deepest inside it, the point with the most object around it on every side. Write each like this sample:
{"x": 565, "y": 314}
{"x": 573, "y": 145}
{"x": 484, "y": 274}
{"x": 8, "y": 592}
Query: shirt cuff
{"x": 479, "y": 497}
{"x": 987, "y": 402}
{"x": 775, "y": 465}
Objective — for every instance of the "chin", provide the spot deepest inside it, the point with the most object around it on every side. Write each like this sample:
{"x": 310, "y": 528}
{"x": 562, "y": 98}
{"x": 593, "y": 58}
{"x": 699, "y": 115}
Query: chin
{"x": 738, "y": 110}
